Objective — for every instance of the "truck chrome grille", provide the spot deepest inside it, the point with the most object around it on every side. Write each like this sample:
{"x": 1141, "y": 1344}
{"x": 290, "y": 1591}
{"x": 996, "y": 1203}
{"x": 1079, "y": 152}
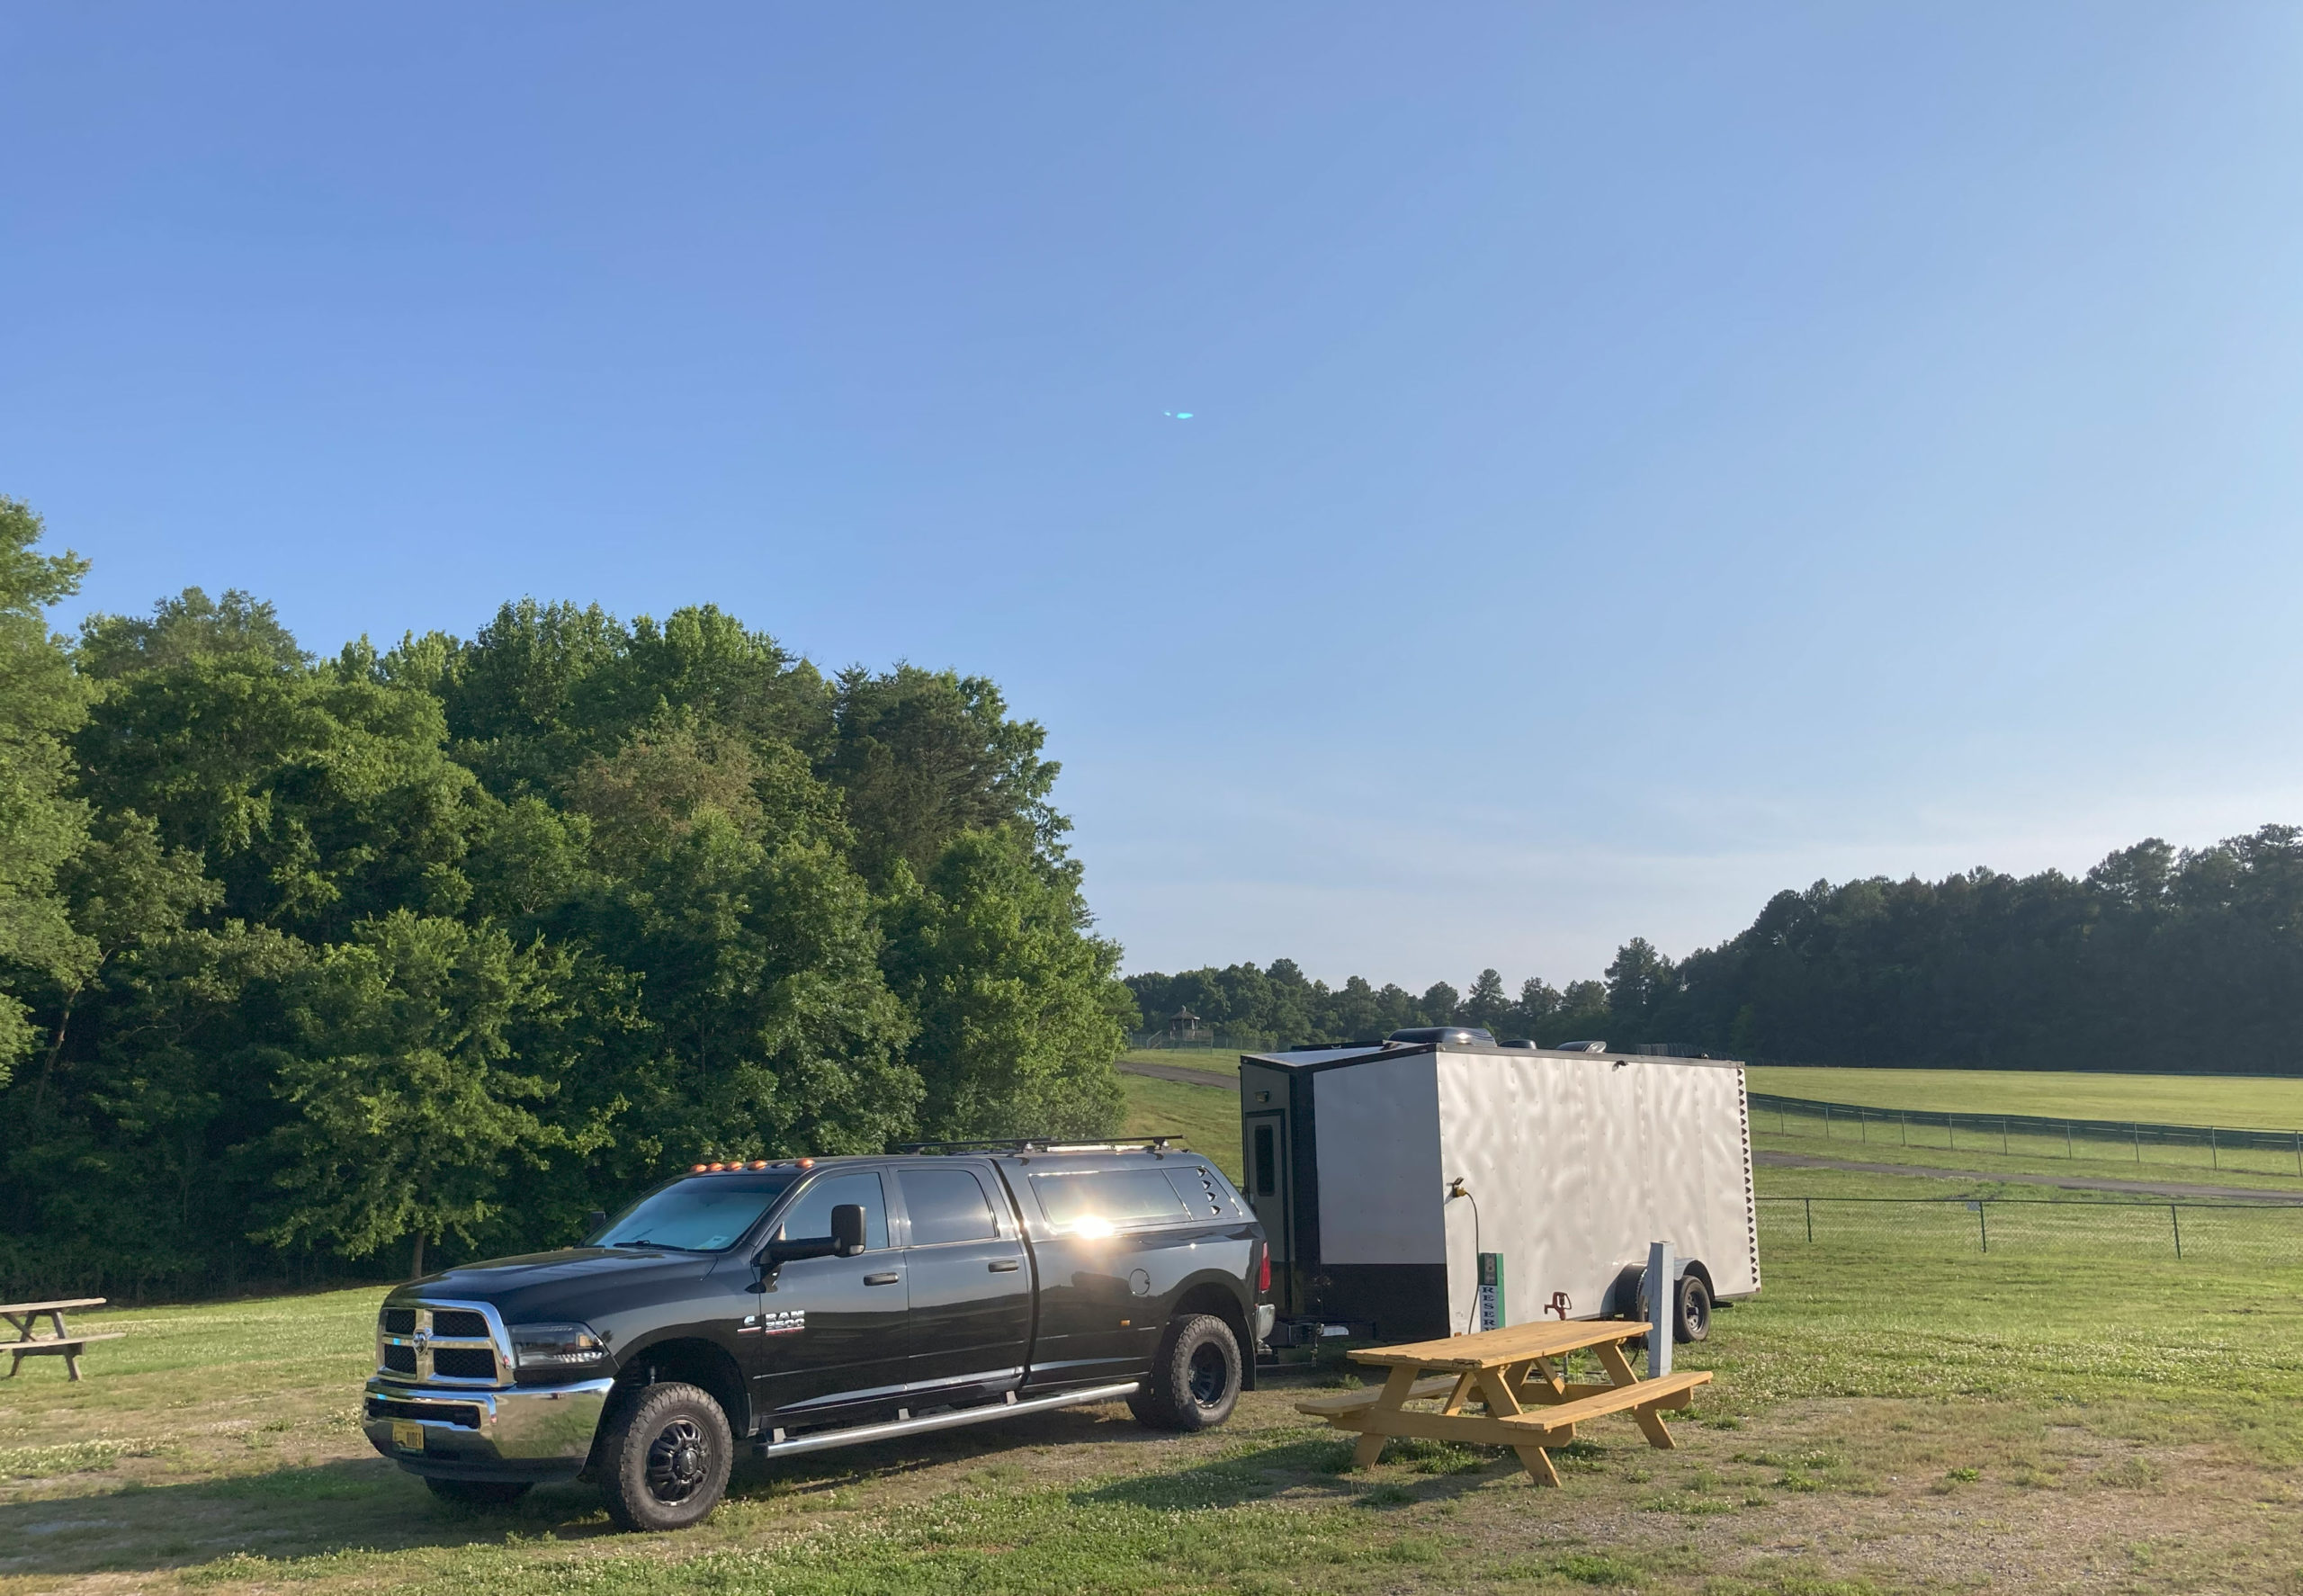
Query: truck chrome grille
{"x": 455, "y": 1342}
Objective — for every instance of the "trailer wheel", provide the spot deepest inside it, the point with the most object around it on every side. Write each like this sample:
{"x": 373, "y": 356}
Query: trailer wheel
{"x": 478, "y": 1492}
{"x": 665, "y": 1457}
{"x": 1691, "y": 1317}
{"x": 1195, "y": 1380}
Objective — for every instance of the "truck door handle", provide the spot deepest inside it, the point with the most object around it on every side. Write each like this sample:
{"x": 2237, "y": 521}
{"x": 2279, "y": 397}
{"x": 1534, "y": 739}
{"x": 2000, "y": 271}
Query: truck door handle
{"x": 1005, "y": 1266}
{"x": 886, "y": 1279}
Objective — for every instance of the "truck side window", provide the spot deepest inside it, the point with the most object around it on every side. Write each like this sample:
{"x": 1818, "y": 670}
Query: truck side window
{"x": 809, "y": 1218}
{"x": 1109, "y": 1198}
{"x": 946, "y": 1205}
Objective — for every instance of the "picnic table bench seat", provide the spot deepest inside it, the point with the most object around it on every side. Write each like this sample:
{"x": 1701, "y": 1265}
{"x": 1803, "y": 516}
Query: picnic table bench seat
{"x": 55, "y": 1343}
{"x": 1349, "y": 1402}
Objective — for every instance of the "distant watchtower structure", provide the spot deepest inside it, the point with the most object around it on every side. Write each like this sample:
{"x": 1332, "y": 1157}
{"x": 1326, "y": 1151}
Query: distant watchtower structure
{"x": 1184, "y": 1030}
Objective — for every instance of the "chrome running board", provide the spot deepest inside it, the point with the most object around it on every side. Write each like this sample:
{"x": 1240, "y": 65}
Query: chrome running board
{"x": 857, "y": 1435}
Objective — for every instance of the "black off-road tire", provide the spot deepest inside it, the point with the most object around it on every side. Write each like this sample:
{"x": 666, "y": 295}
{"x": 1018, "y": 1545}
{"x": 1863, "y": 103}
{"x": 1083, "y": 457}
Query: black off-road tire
{"x": 1691, "y": 1310}
{"x": 1195, "y": 1380}
{"x": 664, "y": 1461}
{"x": 478, "y": 1492}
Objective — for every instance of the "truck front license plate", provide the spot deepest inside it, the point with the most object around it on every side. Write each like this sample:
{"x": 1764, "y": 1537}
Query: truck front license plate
{"x": 407, "y": 1435}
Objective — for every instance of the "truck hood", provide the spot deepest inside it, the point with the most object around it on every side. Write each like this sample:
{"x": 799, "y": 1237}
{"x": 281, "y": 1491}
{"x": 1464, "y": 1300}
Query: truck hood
{"x": 575, "y": 1283}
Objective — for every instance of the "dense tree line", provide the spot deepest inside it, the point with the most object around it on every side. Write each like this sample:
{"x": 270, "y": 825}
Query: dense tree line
{"x": 310, "y": 960}
{"x": 1278, "y": 1005}
{"x": 2158, "y": 958}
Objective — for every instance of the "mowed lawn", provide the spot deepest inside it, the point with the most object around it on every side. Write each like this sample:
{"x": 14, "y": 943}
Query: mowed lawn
{"x": 1213, "y": 1061}
{"x": 1206, "y": 1116}
{"x": 1886, "y": 1418}
{"x": 1894, "y": 1412}
{"x": 2237, "y": 1101}
{"x": 2242, "y": 1102}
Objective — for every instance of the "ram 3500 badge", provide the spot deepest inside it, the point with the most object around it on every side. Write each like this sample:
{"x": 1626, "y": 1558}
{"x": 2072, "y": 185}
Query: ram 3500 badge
{"x": 817, "y": 1302}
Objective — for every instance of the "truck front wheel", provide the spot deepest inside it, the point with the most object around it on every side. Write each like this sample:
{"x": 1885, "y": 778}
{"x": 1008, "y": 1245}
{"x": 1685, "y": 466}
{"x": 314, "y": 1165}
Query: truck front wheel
{"x": 1195, "y": 1380}
{"x": 665, "y": 1459}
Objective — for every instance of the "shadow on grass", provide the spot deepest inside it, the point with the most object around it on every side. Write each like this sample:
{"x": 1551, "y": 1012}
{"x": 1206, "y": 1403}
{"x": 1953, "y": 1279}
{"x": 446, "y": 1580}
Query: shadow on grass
{"x": 361, "y": 1505}
{"x": 1319, "y": 1466}
{"x": 348, "y": 1505}
{"x": 990, "y": 1442}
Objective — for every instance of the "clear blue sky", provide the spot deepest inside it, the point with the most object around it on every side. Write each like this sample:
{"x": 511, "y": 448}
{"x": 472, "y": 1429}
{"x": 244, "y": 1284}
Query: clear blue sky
{"x": 1641, "y": 457}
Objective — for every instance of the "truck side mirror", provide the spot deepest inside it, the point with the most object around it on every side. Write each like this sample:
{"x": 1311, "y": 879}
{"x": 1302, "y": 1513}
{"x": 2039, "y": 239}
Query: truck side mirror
{"x": 847, "y": 1229}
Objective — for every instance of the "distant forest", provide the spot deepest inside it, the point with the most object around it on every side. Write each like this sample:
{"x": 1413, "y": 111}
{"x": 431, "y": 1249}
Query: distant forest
{"x": 2158, "y": 958}
{"x": 409, "y": 954}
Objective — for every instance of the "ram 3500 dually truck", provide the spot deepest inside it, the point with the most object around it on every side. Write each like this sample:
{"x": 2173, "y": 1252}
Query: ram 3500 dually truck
{"x": 812, "y": 1303}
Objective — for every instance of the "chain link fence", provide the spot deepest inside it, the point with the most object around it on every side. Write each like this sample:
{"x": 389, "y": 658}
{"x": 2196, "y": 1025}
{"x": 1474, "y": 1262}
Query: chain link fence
{"x": 2267, "y": 1232}
{"x": 1205, "y": 1039}
{"x": 2133, "y": 1141}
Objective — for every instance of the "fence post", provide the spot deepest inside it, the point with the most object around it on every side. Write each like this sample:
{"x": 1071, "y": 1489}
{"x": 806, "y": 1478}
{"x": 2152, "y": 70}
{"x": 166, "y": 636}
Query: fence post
{"x": 1951, "y": 1131}
{"x": 1863, "y": 1125}
{"x": 2176, "y": 1220}
{"x": 2136, "y": 1126}
{"x": 2067, "y": 1139}
{"x": 1904, "y": 1120}
{"x": 2002, "y": 1134}
{"x": 1810, "y": 1203}
{"x": 1982, "y": 1225}
{"x": 2213, "y": 1155}
{"x": 1827, "y": 1122}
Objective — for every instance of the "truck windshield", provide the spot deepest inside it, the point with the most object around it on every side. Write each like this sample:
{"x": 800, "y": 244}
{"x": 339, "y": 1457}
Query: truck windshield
{"x": 702, "y": 1213}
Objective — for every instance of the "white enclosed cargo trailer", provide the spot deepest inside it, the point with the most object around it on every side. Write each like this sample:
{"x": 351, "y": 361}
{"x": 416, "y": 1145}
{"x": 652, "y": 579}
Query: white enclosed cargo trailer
{"x": 1427, "y": 1189}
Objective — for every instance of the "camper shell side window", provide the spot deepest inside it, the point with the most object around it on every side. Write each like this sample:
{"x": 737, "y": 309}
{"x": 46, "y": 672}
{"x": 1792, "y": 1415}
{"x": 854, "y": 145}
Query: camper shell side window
{"x": 1115, "y": 1198}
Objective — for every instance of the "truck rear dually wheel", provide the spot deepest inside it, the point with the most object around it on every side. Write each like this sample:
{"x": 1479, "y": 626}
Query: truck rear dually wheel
{"x": 665, "y": 1459}
{"x": 1195, "y": 1380}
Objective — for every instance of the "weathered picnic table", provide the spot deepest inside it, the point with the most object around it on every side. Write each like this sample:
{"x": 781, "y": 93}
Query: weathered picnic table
{"x": 1517, "y": 1375}
{"x": 65, "y": 1344}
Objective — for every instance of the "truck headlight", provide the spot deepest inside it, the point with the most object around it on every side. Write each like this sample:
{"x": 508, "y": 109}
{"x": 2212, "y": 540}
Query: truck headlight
{"x": 541, "y": 1346}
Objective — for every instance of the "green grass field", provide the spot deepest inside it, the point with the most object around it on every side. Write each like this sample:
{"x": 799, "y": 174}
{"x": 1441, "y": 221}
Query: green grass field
{"x": 1213, "y": 1061}
{"x": 1894, "y": 1412}
{"x": 1208, "y": 1117}
{"x": 2240, "y": 1102}
{"x": 1889, "y": 1416}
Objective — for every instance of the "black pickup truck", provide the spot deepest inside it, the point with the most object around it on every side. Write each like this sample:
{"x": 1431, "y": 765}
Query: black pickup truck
{"x": 812, "y": 1303}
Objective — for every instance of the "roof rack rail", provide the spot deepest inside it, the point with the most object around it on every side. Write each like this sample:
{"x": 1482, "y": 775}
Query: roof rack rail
{"x": 1044, "y": 1144}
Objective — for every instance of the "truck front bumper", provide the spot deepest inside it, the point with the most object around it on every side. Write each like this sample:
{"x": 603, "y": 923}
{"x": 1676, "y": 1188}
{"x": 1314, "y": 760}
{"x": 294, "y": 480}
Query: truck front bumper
{"x": 533, "y": 1432}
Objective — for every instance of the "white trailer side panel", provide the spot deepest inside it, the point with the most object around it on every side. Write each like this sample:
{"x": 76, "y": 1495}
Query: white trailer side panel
{"x": 1577, "y": 1164}
{"x": 1523, "y": 1138}
{"x": 1380, "y": 1183}
{"x": 1699, "y": 1166}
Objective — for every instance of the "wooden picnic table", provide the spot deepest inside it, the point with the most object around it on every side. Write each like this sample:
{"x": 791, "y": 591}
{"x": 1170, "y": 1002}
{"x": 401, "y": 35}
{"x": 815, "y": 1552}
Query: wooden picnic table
{"x": 63, "y": 1343}
{"x": 1518, "y": 1377}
